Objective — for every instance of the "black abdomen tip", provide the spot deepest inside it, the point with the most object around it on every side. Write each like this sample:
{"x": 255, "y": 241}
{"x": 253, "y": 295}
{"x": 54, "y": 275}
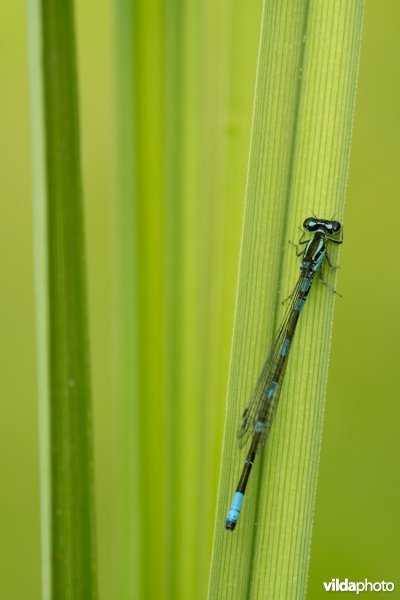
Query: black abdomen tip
{"x": 230, "y": 525}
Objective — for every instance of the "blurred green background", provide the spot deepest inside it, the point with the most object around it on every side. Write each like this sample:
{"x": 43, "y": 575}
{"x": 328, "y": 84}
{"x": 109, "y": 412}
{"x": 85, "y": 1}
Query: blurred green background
{"x": 357, "y": 524}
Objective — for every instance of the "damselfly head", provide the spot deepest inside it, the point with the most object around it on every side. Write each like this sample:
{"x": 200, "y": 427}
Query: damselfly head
{"x": 329, "y": 227}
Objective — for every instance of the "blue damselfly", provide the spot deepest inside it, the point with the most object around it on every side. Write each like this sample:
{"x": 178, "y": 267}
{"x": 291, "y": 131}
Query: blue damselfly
{"x": 258, "y": 416}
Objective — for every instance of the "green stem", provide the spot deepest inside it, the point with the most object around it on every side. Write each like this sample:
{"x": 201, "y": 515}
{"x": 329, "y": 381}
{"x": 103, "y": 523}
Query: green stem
{"x": 68, "y": 557}
{"x": 140, "y": 489}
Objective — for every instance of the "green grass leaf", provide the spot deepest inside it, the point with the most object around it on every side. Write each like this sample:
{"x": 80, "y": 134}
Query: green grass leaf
{"x": 195, "y": 109}
{"x": 68, "y": 552}
{"x": 209, "y": 81}
{"x": 302, "y": 120}
{"x": 139, "y": 350}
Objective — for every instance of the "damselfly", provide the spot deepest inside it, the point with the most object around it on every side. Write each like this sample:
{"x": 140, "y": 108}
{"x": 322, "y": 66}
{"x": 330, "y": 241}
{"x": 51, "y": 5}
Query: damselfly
{"x": 258, "y": 416}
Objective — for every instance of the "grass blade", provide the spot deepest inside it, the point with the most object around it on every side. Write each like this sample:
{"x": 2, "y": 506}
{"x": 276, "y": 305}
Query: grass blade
{"x": 209, "y": 80}
{"x": 68, "y": 555}
{"x": 302, "y": 121}
{"x": 140, "y": 551}
{"x": 230, "y": 59}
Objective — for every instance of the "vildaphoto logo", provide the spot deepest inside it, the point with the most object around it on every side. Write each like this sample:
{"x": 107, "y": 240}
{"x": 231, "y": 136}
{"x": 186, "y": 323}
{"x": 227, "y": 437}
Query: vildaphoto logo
{"x": 335, "y": 585}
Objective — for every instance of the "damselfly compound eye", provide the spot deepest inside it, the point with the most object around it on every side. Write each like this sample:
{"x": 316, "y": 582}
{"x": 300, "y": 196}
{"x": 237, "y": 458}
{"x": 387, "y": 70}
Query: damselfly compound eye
{"x": 310, "y": 224}
{"x": 336, "y": 226}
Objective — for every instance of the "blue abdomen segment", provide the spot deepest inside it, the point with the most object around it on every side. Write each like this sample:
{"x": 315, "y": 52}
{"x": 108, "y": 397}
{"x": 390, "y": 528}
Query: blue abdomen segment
{"x": 285, "y": 347}
{"x": 300, "y": 304}
{"x": 306, "y": 285}
{"x": 272, "y": 389}
{"x": 234, "y": 511}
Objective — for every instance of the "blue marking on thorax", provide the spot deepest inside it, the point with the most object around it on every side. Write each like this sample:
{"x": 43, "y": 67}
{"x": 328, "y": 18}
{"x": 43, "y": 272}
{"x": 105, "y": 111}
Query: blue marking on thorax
{"x": 235, "y": 508}
{"x": 318, "y": 249}
{"x": 285, "y": 347}
{"x": 271, "y": 389}
{"x": 318, "y": 261}
{"x": 318, "y": 256}
{"x": 259, "y": 426}
{"x": 307, "y": 248}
